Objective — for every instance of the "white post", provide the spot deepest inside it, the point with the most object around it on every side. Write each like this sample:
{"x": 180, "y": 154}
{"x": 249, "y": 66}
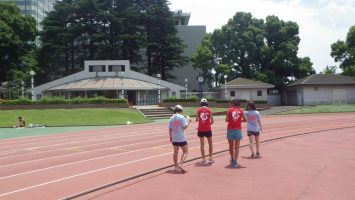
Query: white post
{"x": 159, "y": 76}
{"x": 122, "y": 90}
{"x": 32, "y": 73}
{"x": 185, "y": 88}
{"x": 225, "y": 86}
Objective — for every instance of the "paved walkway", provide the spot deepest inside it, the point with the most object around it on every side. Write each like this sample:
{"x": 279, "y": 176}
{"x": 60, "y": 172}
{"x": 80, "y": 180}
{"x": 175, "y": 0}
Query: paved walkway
{"x": 319, "y": 166}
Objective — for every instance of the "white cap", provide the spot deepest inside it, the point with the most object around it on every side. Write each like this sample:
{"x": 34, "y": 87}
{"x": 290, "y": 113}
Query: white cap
{"x": 178, "y": 107}
{"x": 203, "y": 100}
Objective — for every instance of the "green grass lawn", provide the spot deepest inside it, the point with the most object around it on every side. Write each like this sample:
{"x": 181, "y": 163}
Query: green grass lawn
{"x": 322, "y": 109}
{"x": 192, "y": 110}
{"x": 72, "y": 117}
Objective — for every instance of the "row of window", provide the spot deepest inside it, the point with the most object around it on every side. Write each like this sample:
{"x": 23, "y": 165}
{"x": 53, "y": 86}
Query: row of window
{"x": 259, "y": 93}
{"x": 111, "y": 68}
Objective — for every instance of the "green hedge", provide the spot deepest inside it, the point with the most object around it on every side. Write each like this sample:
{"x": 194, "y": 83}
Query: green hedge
{"x": 59, "y": 100}
{"x": 194, "y": 99}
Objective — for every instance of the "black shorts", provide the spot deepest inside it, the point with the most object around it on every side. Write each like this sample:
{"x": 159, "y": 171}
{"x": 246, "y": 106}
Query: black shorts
{"x": 204, "y": 133}
{"x": 251, "y": 133}
{"x": 180, "y": 144}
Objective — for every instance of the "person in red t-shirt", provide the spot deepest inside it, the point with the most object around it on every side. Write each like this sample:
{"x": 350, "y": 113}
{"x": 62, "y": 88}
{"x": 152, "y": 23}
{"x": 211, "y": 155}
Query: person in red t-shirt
{"x": 234, "y": 117}
{"x": 205, "y": 119}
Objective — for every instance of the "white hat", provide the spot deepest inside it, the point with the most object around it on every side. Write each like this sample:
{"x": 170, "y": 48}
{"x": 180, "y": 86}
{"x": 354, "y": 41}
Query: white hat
{"x": 203, "y": 100}
{"x": 178, "y": 107}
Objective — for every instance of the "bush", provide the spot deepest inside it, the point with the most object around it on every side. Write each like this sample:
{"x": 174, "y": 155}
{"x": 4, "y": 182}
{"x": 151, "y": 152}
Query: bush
{"x": 61, "y": 100}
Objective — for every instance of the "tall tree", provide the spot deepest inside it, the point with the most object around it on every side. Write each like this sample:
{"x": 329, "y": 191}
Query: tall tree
{"x": 17, "y": 41}
{"x": 344, "y": 52}
{"x": 329, "y": 70}
{"x": 163, "y": 48}
{"x": 250, "y": 48}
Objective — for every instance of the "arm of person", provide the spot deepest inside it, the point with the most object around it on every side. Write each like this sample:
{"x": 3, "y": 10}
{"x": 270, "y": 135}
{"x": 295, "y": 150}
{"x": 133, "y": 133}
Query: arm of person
{"x": 227, "y": 116}
{"x": 170, "y": 132}
{"x": 197, "y": 116}
{"x": 212, "y": 120}
{"x": 244, "y": 117}
{"x": 188, "y": 121}
{"x": 261, "y": 127}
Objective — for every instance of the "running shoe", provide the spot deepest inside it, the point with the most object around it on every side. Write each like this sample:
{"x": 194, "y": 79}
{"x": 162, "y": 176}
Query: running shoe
{"x": 210, "y": 160}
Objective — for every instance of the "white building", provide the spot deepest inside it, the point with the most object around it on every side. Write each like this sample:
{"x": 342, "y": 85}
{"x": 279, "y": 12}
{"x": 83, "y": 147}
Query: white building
{"x": 245, "y": 89}
{"x": 320, "y": 89}
{"x": 112, "y": 79}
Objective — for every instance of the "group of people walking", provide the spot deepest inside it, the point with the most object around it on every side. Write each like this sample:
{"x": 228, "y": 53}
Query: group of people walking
{"x": 204, "y": 116}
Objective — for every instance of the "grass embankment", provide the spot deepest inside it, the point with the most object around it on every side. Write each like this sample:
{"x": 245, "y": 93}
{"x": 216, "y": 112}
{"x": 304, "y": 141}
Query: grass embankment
{"x": 72, "y": 117}
{"x": 191, "y": 111}
{"x": 322, "y": 109}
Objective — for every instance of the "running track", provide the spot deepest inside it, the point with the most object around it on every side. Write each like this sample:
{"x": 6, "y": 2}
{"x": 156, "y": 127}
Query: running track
{"x": 57, "y": 166}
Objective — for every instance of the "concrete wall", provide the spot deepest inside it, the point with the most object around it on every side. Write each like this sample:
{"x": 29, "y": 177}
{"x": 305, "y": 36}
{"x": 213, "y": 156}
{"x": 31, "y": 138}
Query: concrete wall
{"x": 192, "y": 37}
{"x": 246, "y": 93}
{"x": 314, "y": 95}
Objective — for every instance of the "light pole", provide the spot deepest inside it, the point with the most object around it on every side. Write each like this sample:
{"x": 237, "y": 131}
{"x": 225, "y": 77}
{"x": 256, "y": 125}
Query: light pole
{"x": 122, "y": 90}
{"x": 185, "y": 88}
{"x": 23, "y": 89}
{"x": 32, "y": 73}
{"x": 225, "y": 86}
{"x": 159, "y": 76}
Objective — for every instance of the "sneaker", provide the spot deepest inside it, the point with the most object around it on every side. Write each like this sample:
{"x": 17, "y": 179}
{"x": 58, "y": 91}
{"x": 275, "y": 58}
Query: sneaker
{"x": 232, "y": 161}
{"x": 252, "y": 155}
{"x": 257, "y": 154}
{"x": 235, "y": 165}
{"x": 205, "y": 162}
{"x": 211, "y": 160}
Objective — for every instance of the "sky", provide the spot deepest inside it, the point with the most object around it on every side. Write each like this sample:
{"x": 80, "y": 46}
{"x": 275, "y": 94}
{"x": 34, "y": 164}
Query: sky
{"x": 321, "y": 22}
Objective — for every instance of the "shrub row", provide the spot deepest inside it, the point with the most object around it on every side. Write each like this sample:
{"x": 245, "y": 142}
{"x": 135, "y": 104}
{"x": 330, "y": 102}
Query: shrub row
{"x": 209, "y": 100}
{"x": 58, "y": 100}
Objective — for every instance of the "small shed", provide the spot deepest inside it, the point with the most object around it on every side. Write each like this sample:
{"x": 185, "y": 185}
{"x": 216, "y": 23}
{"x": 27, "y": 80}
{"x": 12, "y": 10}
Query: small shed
{"x": 320, "y": 89}
{"x": 247, "y": 89}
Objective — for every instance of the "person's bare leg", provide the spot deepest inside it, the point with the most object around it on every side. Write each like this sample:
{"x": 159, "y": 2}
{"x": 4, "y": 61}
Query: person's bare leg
{"x": 237, "y": 144}
{"x": 175, "y": 157}
{"x": 231, "y": 149}
{"x": 251, "y": 142}
{"x": 183, "y": 156}
{"x": 257, "y": 141}
{"x": 202, "y": 149}
{"x": 210, "y": 148}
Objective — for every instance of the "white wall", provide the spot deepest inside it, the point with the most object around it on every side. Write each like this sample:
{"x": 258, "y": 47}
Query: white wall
{"x": 247, "y": 94}
{"x": 325, "y": 94}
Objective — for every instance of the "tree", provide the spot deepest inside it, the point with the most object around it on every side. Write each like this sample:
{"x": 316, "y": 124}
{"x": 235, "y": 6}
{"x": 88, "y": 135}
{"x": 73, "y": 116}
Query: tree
{"x": 163, "y": 48}
{"x": 251, "y": 48}
{"x": 344, "y": 52}
{"x": 330, "y": 70}
{"x": 17, "y": 41}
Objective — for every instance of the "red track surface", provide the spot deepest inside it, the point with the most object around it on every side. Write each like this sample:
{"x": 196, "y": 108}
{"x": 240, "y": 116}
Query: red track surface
{"x": 56, "y": 166}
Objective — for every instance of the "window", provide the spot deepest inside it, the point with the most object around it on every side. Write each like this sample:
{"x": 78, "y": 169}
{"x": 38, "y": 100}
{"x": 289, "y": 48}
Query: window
{"x": 116, "y": 68}
{"x": 173, "y": 94}
{"x": 232, "y": 93}
{"x": 97, "y": 68}
{"x": 259, "y": 93}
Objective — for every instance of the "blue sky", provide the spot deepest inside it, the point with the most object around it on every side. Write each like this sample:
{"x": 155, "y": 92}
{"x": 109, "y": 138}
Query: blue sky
{"x": 321, "y": 22}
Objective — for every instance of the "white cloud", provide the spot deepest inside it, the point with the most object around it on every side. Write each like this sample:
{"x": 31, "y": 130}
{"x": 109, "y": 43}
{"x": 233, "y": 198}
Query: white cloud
{"x": 321, "y": 22}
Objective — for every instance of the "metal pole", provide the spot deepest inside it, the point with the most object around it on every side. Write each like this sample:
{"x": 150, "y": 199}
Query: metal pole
{"x": 32, "y": 73}
{"x": 23, "y": 89}
{"x": 158, "y": 76}
{"x": 122, "y": 92}
{"x": 225, "y": 86}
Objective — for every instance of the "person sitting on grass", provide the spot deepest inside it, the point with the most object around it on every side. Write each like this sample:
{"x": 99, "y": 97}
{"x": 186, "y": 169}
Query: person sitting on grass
{"x": 20, "y": 123}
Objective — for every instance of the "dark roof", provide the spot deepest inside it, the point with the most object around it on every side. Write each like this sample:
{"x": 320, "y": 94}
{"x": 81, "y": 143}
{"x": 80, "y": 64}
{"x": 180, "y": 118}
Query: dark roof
{"x": 246, "y": 83}
{"x": 324, "y": 79}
